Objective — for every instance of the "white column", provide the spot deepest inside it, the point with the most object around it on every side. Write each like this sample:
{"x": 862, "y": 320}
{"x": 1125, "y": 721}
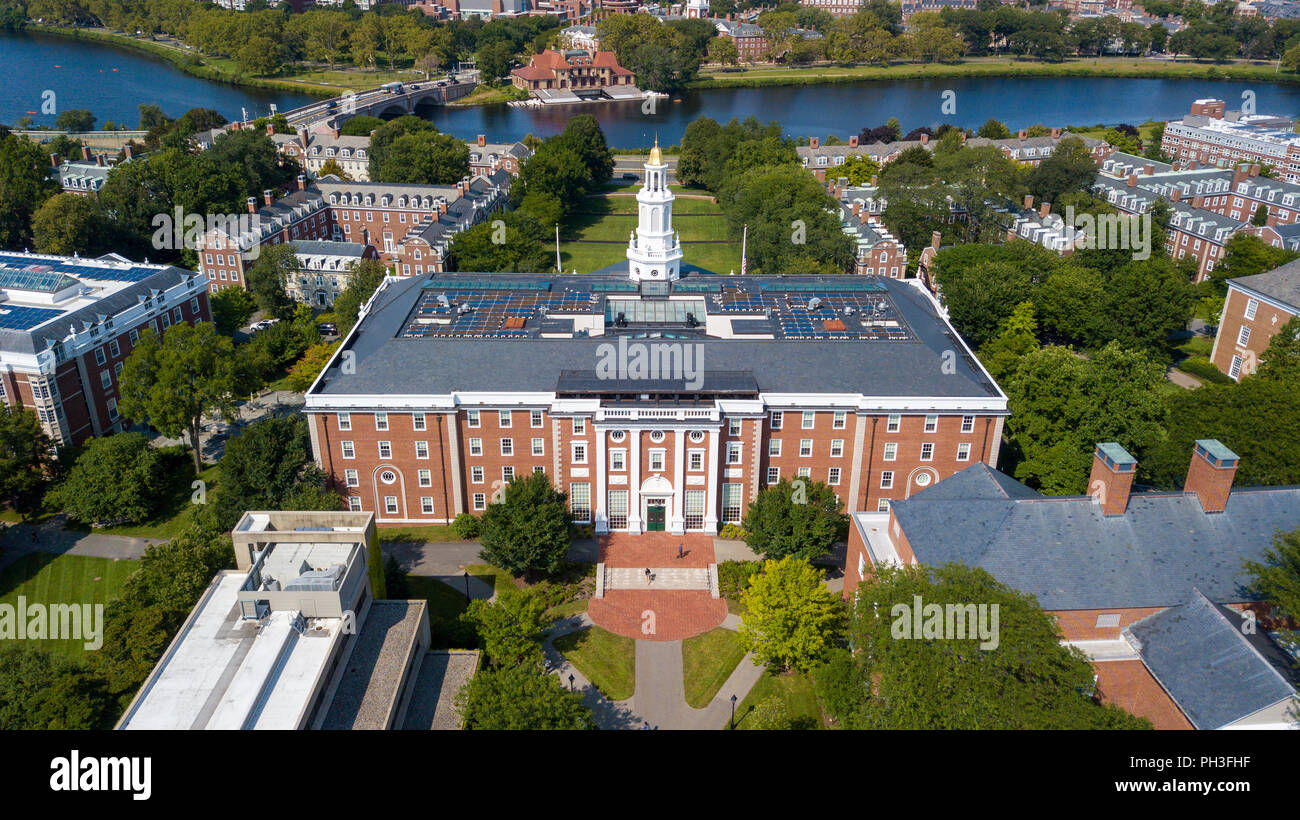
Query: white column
{"x": 634, "y": 482}
{"x": 711, "y": 508}
{"x": 599, "y": 513}
{"x": 677, "y": 519}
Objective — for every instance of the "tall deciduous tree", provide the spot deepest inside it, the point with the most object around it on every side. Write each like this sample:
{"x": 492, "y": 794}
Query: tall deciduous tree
{"x": 24, "y": 184}
{"x": 1277, "y": 578}
{"x": 24, "y": 459}
{"x": 171, "y": 383}
{"x": 801, "y": 518}
{"x": 115, "y": 480}
{"x": 527, "y": 530}
{"x": 791, "y": 619}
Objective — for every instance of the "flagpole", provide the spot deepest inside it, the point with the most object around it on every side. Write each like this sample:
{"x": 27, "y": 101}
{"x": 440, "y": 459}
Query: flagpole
{"x": 744, "y": 241}
{"x": 558, "y": 268}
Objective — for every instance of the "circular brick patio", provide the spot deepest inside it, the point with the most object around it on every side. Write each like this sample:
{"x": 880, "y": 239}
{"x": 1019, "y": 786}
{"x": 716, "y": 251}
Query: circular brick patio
{"x": 657, "y": 615}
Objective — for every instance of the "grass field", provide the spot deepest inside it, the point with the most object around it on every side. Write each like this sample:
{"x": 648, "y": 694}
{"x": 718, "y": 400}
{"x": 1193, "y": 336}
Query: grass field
{"x": 597, "y": 235}
{"x": 707, "y": 661}
{"x": 435, "y": 533}
{"x": 795, "y": 688}
{"x": 608, "y": 660}
{"x": 46, "y": 578}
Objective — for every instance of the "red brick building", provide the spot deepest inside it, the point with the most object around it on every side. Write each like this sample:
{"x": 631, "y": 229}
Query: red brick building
{"x": 1104, "y": 565}
{"x": 1254, "y": 310}
{"x": 656, "y": 395}
{"x": 573, "y": 70}
{"x": 67, "y": 325}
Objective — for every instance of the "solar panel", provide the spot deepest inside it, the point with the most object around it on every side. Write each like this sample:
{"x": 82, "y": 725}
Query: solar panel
{"x": 487, "y": 284}
{"x": 820, "y": 287}
{"x": 697, "y": 287}
{"x": 613, "y": 287}
{"x": 21, "y": 317}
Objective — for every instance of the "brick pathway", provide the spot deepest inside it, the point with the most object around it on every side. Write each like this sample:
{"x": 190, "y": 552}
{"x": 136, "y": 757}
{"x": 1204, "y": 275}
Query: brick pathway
{"x": 656, "y": 549}
{"x": 657, "y": 615}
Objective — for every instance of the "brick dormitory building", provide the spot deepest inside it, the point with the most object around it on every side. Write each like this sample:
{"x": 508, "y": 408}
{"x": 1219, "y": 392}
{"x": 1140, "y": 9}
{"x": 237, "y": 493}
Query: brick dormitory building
{"x": 451, "y": 384}
{"x": 1149, "y": 585}
{"x": 67, "y": 326}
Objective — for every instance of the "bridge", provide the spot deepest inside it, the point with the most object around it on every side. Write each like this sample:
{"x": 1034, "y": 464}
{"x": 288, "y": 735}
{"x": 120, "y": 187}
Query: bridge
{"x": 380, "y": 102}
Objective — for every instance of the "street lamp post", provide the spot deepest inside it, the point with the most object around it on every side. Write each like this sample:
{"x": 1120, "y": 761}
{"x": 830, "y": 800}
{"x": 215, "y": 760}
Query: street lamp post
{"x": 733, "y": 711}
{"x": 570, "y": 683}
{"x": 467, "y": 587}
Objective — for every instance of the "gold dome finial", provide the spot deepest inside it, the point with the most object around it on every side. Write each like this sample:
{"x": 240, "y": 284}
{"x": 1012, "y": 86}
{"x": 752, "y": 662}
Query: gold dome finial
{"x": 656, "y": 158}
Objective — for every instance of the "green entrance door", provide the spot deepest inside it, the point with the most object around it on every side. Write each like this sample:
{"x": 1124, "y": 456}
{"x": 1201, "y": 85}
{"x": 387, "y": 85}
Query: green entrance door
{"x": 654, "y": 516}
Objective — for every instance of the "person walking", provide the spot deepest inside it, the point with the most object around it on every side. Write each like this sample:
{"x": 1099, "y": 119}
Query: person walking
{"x": 648, "y": 576}
{"x": 679, "y": 551}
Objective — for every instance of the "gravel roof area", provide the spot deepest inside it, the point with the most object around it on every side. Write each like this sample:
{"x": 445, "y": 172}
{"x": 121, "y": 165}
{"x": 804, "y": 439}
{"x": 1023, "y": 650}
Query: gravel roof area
{"x": 441, "y": 676}
{"x": 365, "y": 697}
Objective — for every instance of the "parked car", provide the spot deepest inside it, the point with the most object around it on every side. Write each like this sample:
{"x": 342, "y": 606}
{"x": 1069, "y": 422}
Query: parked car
{"x": 632, "y": 177}
{"x": 328, "y": 328}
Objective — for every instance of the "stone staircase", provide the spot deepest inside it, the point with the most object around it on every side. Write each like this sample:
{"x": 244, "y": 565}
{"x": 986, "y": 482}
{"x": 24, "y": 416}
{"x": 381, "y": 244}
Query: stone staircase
{"x": 664, "y": 578}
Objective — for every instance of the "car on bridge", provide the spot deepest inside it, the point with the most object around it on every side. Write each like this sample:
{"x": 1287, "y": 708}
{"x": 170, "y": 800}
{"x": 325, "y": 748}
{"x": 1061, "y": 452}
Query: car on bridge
{"x": 392, "y": 88}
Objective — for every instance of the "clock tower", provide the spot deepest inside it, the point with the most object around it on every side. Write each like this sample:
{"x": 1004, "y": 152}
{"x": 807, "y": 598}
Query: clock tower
{"x": 654, "y": 252}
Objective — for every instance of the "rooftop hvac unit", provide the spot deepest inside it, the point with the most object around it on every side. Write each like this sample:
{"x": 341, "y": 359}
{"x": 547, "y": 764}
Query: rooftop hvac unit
{"x": 849, "y": 311}
{"x": 462, "y": 308}
{"x": 814, "y": 303}
{"x": 443, "y": 300}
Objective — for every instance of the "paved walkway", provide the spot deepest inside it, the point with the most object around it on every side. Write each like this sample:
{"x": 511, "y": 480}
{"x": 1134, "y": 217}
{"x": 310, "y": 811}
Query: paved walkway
{"x": 656, "y": 549}
{"x": 660, "y": 695}
{"x": 50, "y": 537}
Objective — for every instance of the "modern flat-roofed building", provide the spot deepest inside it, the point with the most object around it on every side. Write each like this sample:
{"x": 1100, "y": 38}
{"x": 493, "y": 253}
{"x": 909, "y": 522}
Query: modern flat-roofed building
{"x": 293, "y": 638}
{"x": 657, "y": 395}
{"x": 67, "y": 325}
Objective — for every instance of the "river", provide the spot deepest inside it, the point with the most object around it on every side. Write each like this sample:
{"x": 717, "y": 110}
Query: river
{"x": 113, "y": 82}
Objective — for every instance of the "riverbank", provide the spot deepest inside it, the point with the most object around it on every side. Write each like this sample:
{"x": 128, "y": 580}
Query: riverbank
{"x": 996, "y": 67}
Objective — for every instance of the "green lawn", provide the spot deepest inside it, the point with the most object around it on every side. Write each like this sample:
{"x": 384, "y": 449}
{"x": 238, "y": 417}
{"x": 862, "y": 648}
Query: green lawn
{"x": 498, "y": 578}
{"x": 608, "y": 660}
{"x": 444, "y": 600}
{"x": 47, "y": 578}
{"x": 597, "y": 235}
{"x": 568, "y": 610}
{"x": 436, "y": 533}
{"x": 178, "y": 511}
{"x": 707, "y": 661}
{"x": 795, "y": 688}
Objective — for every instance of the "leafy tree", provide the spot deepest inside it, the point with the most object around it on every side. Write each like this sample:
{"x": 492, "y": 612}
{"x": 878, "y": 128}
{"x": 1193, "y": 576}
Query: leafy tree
{"x": 24, "y": 460}
{"x": 982, "y": 285}
{"x": 171, "y": 383}
{"x": 367, "y": 276}
{"x": 528, "y": 530}
{"x": 263, "y": 468}
{"x": 1270, "y": 453}
{"x": 521, "y": 699}
{"x": 771, "y": 714}
{"x": 515, "y": 241}
{"x": 266, "y": 278}
{"x": 791, "y": 228}
{"x": 421, "y": 158}
{"x": 859, "y": 169}
{"x": 1281, "y": 360}
{"x": 1260, "y": 217}
{"x": 332, "y": 168}
{"x": 791, "y": 619}
{"x": 114, "y": 481}
{"x": 1001, "y": 355}
{"x": 510, "y": 628}
{"x": 557, "y": 170}
{"x": 1246, "y": 255}
{"x": 173, "y": 574}
{"x": 1070, "y": 168}
{"x": 41, "y": 690}
{"x": 360, "y": 126}
{"x": 231, "y": 309}
{"x": 1277, "y": 579}
{"x": 306, "y": 369}
{"x": 802, "y": 519}
{"x": 75, "y": 119}
{"x": 994, "y": 130}
{"x": 585, "y": 138}
{"x": 68, "y": 224}
{"x": 1028, "y": 680}
{"x": 25, "y": 184}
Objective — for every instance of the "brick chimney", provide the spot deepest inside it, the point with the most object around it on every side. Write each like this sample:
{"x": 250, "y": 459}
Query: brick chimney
{"x": 814, "y": 142}
{"x": 270, "y": 130}
{"x": 857, "y": 208}
{"x": 482, "y": 140}
{"x": 128, "y": 152}
{"x": 85, "y": 153}
{"x": 1056, "y": 133}
{"x": 1111, "y": 481}
{"x": 1148, "y": 170}
{"x": 1210, "y": 474}
{"x": 1175, "y": 194}
{"x": 252, "y": 205}
{"x": 1043, "y": 210}
{"x": 935, "y": 237}
{"x": 302, "y": 182}
{"x": 304, "y": 137}
{"x": 56, "y": 160}
{"x": 268, "y": 197}
{"x": 1254, "y": 170}
{"x": 925, "y": 139}
{"x": 99, "y": 160}
{"x": 873, "y": 182}
{"x": 1132, "y": 180}
{"x": 1022, "y": 135}
{"x": 853, "y": 141}
{"x": 1029, "y": 202}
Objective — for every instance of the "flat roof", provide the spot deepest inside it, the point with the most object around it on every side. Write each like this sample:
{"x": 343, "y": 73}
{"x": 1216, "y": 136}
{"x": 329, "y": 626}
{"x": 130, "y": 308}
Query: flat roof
{"x": 367, "y": 694}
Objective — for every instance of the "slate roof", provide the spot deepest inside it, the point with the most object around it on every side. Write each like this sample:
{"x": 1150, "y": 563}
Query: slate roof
{"x": 1067, "y": 553}
{"x": 1216, "y": 674}
{"x": 389, "y": 362}
{"x": 1281, "y": 283}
